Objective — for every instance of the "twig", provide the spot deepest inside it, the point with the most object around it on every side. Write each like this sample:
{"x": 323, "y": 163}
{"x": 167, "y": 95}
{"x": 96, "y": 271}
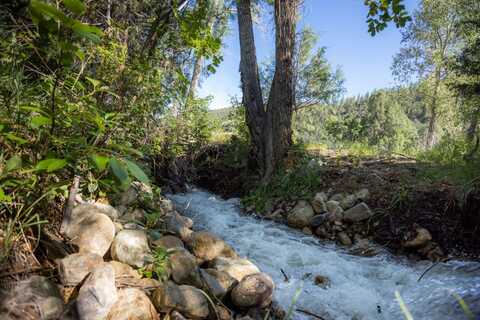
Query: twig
{"x": 431, "y": 267}
{"x": 285, "y": 275}
{"x": 310, "y": 313}
{"x": 67, "y": 215}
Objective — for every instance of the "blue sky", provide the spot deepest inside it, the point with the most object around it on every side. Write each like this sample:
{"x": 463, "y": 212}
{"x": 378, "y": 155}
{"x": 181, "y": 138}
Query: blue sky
{"x": 341, "y": 25}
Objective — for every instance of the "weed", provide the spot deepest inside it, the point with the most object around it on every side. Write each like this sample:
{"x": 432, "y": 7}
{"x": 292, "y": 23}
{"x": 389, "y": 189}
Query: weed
{"x": 158, "y": 268}
{"x": 297, "y": 182}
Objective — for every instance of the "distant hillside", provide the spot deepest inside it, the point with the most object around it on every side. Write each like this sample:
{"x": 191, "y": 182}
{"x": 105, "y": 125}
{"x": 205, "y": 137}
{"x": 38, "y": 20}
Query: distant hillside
{"x": 221, "y": 114}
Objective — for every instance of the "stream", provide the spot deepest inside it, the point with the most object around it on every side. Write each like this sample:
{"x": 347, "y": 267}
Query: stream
{"x": 361, "y": 287}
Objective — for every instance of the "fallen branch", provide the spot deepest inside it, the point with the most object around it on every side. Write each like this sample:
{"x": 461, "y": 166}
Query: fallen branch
{"x": 67, "y": 214}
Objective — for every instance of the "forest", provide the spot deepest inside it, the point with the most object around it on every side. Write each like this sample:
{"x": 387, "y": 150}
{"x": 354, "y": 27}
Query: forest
{"x": 125, "y": 195}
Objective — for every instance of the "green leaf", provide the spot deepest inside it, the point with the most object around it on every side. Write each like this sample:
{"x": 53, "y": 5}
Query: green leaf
{"x": 100, "y": 161}
{"x": 94, "y": 82}
{"x": 118, "y": 169}
{"x": 51, "y": 165}
{"x": 4, "y": 197}
{"x": 48, "y": 11}
{"x": 14, "y": 138}
{"x": 74, "y": 6}
{"x": 13, "y": 163}
{"x": 86, "y": 31}
{"x": 137, "y": 172}
{"x": 38, "y": 121}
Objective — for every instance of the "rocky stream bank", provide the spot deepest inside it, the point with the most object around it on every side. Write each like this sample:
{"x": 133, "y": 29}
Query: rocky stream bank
{"x": 140, "y": 259}
{"x": 346, "y": 219}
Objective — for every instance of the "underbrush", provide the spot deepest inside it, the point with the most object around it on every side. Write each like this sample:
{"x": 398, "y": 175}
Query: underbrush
{"x": 299, "y": 179}
{"x": 453, "y": 160}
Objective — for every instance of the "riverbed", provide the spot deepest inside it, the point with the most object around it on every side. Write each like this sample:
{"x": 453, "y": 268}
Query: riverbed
{"x": 360, "y": 287}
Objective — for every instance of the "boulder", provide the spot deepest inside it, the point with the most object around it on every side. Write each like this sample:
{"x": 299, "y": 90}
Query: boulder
{"x": 362, "y": 194}
{"x": 300, "y": 215}
{"x": 85, "y": 209}
{"x": 206, "y": 247}
{"x": 169, "y": 242}
{"x": 33, "y": 298}
{"x": 74, "y": 268}
{"x": 132, "y": 303}
{"x": 333, "y": 207}
{"x": 321, "y": 232}
{"x": 318, "y": 202}
{"x": 175, "y": 315}
{"x": 131, "y": 247}
{"x": 422, "y": 237}
{"x": 358, "y": 213}
{"x": 94, "y": 233}
{"x": 178, "y": 225}
{"x": 348, "y": 201}
{"x": 188, "y": 300}
{"x": 98, "y": 293}
{"x": 143, "y": 283}
{"x": 344, "y": 239}
{"x": 277, "y": 215}
{"x": 134, "y": 215}
{"x": 318, "y": 220}
{"x": 337, "y": 197}
{"x": 255, "y": 290}
{"x": 132, "y": 194}
{"x": 184, "y": 269}
{"x": 224, "y": 313}
{"x": 307, "y": 231}
{"x": 236, "y": 268}
{"x": 217, "y": 283}
{"x": 123, "y": 270}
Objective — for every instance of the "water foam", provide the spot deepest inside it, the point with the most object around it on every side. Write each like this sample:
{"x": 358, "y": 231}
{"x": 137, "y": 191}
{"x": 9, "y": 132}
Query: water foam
{"x": 361, "y": 287}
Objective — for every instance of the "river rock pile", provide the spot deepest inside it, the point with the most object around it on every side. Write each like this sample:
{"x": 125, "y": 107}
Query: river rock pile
{"x": 346, "y": 219}
{"x": 131, "y": 264}
{"x": 340, "y": 217}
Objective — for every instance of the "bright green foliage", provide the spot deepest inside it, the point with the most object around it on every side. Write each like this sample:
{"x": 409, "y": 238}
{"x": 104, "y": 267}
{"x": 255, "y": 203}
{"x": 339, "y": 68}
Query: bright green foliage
{"x": 381, "y": 12}
{"x": 79, "y": 95}
{"x": 387, "y": 120}
{"x": 159, "y": 265}
{"x": 448, "y": 162}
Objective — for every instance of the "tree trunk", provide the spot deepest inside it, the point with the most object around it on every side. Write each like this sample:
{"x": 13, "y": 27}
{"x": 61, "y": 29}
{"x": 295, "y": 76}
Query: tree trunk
{"x": 270, "y": 126}
{"x": 432, "y": 122}
{"x": 282, "y": 93}
{"x": 255, "y": 115}
{"x": 472, "y": 127}
{"x": 197, "y": 70}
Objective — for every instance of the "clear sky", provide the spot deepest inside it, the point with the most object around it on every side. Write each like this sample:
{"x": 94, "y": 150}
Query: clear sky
{"x": 341, "y": 25}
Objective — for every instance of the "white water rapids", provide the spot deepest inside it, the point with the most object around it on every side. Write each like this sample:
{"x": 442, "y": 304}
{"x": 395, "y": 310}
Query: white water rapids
{"x": 361, "y": 287}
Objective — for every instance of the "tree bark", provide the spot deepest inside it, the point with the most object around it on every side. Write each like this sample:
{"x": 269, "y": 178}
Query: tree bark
{"x": 432, "y": 122}
{"x": 197, "y": 70}
{"x": 255, "y": 115}
{"x": 270, "y": 126}
{"x": 282, "y": 93}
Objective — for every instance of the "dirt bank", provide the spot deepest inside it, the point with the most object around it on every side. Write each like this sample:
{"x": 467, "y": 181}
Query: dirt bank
{"x": 401, "y": 196}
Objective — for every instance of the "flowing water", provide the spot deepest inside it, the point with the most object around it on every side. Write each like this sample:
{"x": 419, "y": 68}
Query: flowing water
{"x": 361, "y": 287}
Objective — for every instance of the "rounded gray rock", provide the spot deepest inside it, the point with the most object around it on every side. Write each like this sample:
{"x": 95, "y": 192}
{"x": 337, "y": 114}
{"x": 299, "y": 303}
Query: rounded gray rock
{"x": 255, "y": 290}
